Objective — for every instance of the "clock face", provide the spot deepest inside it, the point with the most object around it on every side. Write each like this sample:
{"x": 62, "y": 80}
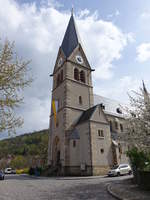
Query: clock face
{"x": 60, "y": 61}
{"x": 79, "y": 59}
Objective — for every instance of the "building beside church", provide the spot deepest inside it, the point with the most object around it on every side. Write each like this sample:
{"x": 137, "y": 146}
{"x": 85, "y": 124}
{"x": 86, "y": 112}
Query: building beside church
{"x": 83, "y": 133}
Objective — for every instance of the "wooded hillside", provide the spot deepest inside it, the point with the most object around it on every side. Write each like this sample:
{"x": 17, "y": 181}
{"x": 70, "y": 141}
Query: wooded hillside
{"x": 24, "y": 151}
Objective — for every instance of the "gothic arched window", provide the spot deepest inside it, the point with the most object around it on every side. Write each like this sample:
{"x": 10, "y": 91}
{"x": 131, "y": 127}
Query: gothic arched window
{"x": 121, "y": 127}
{"x": 58, "y": 79}
{"x": 61, "y": 76}
{"x": 76, "y": 74}
{"x": 116, "y": 125}
{"x": 82, "y": 76}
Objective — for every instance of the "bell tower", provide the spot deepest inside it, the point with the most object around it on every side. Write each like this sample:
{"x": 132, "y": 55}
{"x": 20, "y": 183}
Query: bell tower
{"x": 73, "y": 92}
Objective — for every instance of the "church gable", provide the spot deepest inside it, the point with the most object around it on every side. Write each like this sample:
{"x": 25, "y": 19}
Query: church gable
{"x": 94, "y": 113}
{"x": 78, "y": 56}
{"x": 86, "y": 115}
{"x": 99, "y": 115}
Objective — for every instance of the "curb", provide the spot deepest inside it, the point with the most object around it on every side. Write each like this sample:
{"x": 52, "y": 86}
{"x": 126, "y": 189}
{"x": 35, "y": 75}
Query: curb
{"x": 30, "y": 176}
{"x": 109, "y": 190}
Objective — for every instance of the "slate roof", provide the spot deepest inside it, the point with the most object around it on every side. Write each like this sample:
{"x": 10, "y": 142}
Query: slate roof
{"x": 111, "y": 105}
{"x": 86, "y": 115}
{"x": 71, "y": 38}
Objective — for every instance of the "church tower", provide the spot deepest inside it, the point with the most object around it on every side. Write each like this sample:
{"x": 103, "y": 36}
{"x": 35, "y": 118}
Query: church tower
{"x": 73, "y": 94}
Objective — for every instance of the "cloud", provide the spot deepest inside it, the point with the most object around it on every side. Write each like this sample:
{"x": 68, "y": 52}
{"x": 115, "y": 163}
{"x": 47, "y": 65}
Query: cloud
{"x": 115, "y": 14}
{"x": 38, "y": 32}
{"x": 103, "y": 44}
{"x": 143, "y": 52}
{"x": 120, "y": 88}
{"x": 83, "y": 13}
{"x": 145, "y": 15}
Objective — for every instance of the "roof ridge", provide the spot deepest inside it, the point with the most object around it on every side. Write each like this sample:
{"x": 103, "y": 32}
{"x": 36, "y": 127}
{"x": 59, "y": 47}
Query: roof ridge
{"x": 86, "y": 115}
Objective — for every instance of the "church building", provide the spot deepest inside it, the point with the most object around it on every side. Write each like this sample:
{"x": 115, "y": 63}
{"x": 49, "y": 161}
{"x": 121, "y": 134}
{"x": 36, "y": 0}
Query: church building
{"x": 83, "y": 126}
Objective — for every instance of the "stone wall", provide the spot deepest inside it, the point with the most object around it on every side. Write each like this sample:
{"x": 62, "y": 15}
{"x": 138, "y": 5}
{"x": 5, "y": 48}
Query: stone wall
{"x": 100, "y": 170}
{"x": 76, "y": 171}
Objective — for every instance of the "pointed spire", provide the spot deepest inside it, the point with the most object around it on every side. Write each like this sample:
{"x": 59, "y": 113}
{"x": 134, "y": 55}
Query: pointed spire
{"x": 146, "y": 94}
{"x": 71, "y": 38}
{"x": 144, "y": 88}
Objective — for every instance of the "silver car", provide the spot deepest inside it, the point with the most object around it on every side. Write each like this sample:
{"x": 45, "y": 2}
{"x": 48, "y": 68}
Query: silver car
{"x": 120, "y": 170}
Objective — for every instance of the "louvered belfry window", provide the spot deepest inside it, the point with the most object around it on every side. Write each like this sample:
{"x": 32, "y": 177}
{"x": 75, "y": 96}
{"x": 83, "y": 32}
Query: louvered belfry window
{"x": 76, "y": 74}
{"x": 82, "y": 76}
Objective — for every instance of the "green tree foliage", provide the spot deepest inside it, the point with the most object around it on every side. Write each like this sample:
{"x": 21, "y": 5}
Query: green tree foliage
{"x": 139, "y": 159}
{"x": 31, "y": 147}
{"x": 19, "y": 162}
{"x": 14, "y": 78}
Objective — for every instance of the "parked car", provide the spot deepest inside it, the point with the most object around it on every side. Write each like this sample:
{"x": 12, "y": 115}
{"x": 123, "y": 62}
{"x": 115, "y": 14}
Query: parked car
{"x": 10, "y": 171}
{"x": 2, "y": 175}
{"x": 120, "y": 170}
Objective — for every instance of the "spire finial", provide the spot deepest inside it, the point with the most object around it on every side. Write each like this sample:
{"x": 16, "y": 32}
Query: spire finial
{"x": 72, "y": 9}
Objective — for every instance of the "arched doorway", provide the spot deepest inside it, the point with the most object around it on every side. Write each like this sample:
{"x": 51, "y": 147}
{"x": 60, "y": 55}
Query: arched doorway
{"x": 56, "y": 151}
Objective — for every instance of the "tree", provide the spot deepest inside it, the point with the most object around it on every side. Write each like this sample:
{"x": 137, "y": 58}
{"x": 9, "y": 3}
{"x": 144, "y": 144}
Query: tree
{"x": 13, "y": 79}
{"x": 19, "y": 162}
{"x": 137, "y": 134}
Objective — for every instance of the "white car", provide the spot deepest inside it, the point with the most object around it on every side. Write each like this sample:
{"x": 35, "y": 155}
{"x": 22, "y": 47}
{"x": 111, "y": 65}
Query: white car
{"x": 120, "y": 170}
{"x": 9, "y": 171}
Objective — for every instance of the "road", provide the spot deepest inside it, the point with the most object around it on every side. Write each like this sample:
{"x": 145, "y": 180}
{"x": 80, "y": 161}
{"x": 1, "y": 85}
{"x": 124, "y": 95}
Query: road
{"x": 24, "y": 187}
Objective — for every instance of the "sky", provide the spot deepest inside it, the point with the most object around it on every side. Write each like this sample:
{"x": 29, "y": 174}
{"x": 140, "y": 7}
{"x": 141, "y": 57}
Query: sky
{"x": 114, "y": 35}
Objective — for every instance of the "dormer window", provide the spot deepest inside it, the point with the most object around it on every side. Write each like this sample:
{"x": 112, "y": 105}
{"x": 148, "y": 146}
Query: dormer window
{"x": 82, "y": 76}
{"x": 118, "y": 110}
{"x": 102, "y": 106}
{"x": 76, "y": 74}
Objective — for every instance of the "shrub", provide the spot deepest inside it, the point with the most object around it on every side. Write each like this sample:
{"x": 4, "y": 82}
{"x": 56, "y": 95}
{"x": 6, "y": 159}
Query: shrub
{"x": 139, "y": 159}
{"x": 22, "y": 171}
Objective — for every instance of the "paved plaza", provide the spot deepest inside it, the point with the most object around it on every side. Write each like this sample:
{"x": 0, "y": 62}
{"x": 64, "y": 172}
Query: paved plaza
{"x": 24, "y": 187}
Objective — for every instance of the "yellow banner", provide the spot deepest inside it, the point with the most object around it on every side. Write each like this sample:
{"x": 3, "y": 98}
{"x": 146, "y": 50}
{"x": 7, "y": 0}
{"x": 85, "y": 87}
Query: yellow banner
{"x": 54, "y": 111}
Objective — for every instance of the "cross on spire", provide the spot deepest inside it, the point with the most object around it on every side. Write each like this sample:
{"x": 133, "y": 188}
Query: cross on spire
{"x": 72, "y": 9}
